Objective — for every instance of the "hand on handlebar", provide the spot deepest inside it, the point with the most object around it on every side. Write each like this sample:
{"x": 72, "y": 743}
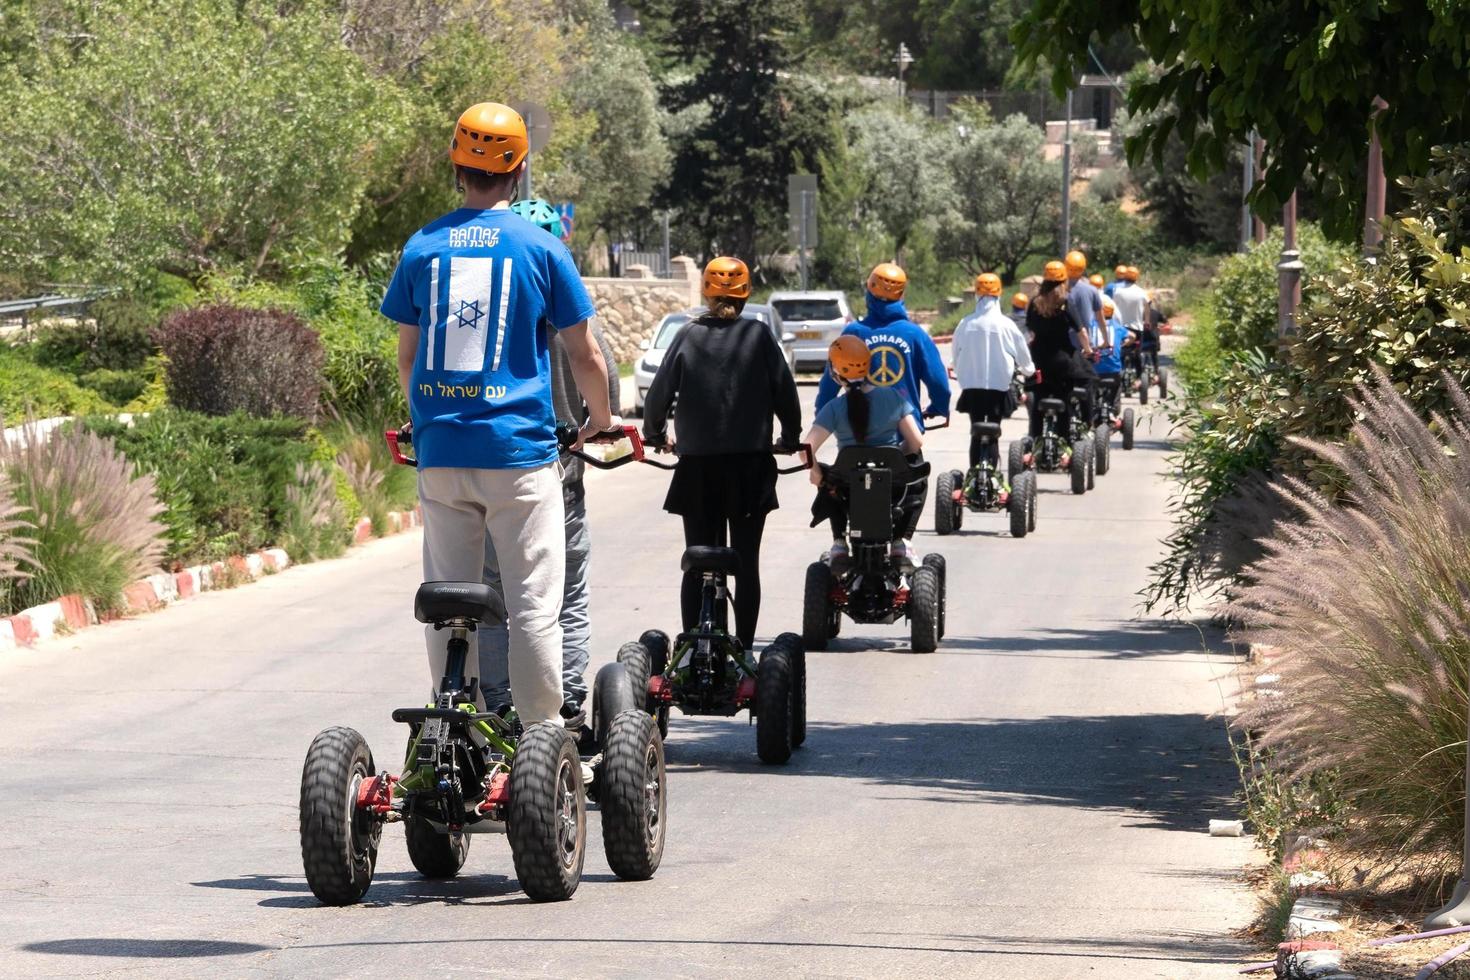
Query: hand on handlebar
{"x": 590, "y": 432}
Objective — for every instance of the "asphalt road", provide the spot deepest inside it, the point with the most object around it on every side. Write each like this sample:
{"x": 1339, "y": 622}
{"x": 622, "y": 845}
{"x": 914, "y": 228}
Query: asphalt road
{"x": 1029, "y": 801}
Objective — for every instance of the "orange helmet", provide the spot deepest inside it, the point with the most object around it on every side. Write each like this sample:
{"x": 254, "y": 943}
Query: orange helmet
{"x": 1020, "y": 301}
{"x": 1076, "y": 263}
{"x": 987, "y": 284}
{"x": 887, "y": 281}
{"x": 1108, "y": 307}
{"x": 1097, "y": 280}
{"x": 1119, "y": 270}
{"x": 725, "y": 276}
{"x": 849, "y": 358}
{"x": 1054, "y": 271}
{"x": 490, "y": 137}
{"x": 1131, "y": 273}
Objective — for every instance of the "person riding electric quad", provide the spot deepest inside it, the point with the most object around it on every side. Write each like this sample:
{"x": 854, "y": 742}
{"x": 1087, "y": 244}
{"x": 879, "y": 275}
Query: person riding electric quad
{"x": 987, "y": 351}
{"x": 1063, "y": 360}
{"x": 1084, "y": 306}
{"x": 575, "y": 621}
{"x": 1019, "y": 301}
{"x": 903, "y": 354}
{"x": 730, "y": 377}
{"x": 1132, "y": 304}
{"x": 1117, "y": 282}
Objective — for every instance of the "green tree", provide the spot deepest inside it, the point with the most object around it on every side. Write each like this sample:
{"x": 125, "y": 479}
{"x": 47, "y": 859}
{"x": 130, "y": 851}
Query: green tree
{"x": 1006, "y": 195}
{"x": 901, "y": 155}
{"x": 1302, "y": 73}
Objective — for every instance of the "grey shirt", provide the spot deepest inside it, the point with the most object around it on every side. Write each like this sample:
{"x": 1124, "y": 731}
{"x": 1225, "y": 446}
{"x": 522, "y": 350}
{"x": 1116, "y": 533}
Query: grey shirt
{"x": 567, "y": 402}
{"x": 1084, "y": 305}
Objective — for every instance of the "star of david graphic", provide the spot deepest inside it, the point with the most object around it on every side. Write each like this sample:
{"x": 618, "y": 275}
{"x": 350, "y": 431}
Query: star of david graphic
{"x": 468, "y": 314}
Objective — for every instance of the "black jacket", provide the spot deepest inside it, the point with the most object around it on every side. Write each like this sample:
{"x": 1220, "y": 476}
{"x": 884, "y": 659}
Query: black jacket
{"x": 730, "y": 377}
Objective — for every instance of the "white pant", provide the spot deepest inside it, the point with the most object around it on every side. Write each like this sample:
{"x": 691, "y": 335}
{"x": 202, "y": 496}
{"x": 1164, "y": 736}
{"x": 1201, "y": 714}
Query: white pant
{"x": 522, "y": 511}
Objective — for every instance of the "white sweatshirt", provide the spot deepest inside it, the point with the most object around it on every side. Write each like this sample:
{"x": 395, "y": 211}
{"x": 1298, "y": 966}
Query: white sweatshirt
{"x": 989, "y": 348}
{"x": 1130, "y": 301}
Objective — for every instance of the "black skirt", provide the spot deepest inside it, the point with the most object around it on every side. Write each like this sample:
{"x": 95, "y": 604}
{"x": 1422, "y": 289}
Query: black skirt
{"x": 723, "y": 486}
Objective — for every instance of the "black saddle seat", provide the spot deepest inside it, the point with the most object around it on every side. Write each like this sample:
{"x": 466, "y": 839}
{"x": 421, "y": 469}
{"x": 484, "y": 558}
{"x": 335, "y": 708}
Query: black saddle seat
{"x": 1079, "y": 393}
{"x": 1052, "y": 405}
{"x": 439, "y": 602}
{"x": 984, "y": 429}
{"x": 707, "y": 558}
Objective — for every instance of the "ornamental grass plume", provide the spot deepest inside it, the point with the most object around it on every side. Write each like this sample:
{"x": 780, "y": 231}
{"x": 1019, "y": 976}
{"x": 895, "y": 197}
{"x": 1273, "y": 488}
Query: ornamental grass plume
{"x": 1368, "y": 599}
{"x": 16, "y": 559}
{"x": 313, "y": 525}
{"x": 95, "y": 523}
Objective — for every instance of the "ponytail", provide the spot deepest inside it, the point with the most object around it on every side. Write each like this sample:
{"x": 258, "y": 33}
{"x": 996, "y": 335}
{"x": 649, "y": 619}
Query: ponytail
{"x": 858, "y": 412}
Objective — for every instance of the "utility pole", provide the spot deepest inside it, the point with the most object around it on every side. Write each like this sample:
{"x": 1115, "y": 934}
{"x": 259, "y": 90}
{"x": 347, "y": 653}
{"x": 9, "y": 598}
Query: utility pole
{"x": 806, "y": 216}
{"x": 665, "y": 270}
{"x": 1290, "y": 269}
{"x": 1258, "y": 227}
{"x": 903, "y": 59}
{"x": 1377, "y": 185}
{"x": 1066, "y": 241}
{"x": 1248, "y": 181}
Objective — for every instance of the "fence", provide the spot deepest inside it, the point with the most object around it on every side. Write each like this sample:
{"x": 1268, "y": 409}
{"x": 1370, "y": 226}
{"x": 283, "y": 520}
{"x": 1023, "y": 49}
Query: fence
{"x": 39, "y": 307}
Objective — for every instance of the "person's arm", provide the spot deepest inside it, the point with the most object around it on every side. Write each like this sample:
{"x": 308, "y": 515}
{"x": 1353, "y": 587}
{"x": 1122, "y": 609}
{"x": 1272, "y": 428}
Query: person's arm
{"x": 1020, "y": 350}
{"x": 1101, "y": 321}
{"x": 589, "y": 370}
{"x": 815, "y": 437}
{"x": 956, "y": 349}
{"x": 662, "y": 390}
{"x": 908, "y": 430}
{"x": 408, "y": 351}
{"x": 936, "y": 381}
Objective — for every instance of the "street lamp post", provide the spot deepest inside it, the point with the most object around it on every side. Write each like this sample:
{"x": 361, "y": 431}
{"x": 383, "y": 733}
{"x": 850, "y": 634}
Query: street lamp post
{"x": 1248, "y": 182}
{"x": 903, "y": 59}
{"x": 1377, "y": 187}
{"x": 1290, "y": 269}
{"x": 1066, "y": 242}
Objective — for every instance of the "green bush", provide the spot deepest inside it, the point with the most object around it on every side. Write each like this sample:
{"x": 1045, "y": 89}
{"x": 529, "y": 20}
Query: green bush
{"x": 117, "y": 338}
{"x": 1200, "y": 362}
{"x": 29, "y": 388}
{"x": 1247, "y": 285}
{"x": 223, "y": 479}
{"x": 1109, "y": 185}
{"x": 95, "y": 519}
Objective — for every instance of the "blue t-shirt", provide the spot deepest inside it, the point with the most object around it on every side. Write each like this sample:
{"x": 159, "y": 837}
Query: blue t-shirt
{"x": 480, "y": 285}
{"x": 886, "y": 408}
{"x": 1111, "y": 361}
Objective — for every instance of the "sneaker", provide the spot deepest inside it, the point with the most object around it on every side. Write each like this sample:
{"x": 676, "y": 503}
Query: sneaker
{"x": 838, "y": 551}
{"x": 574, "y": 715}
{"x": 587, "y": 775}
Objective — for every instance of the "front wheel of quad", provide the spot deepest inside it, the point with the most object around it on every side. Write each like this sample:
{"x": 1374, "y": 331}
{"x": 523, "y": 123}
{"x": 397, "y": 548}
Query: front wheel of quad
{"x": 1163, "y": 382}
{"x": 791, "y": 643}
{"x": 925, "y": 596}
{"x": 1077, "y": 470}
{"x": 1089, "y": 452}
{"x": 1016, "y": 460}
{"x": 775, "y": 704}
{"x": 938, "y": 563}
{"x": 1018, "y": 506}
{"x": 1102, "y": 444}
{"x": 1143, "y": 383}
{"x": 944, "y": 508}
{"x": 816, "y": 606}
{"x": 339, "y": 842}
{"x": 613, "y": 692}
{"x": 1025, "y": 487}
{"x": 1128, "y": 428}
{"x": 547, "y": 824}
{"x": 634, "y": 798}
{"x": 434, "y": 855}
{"x": 638, "y": 661}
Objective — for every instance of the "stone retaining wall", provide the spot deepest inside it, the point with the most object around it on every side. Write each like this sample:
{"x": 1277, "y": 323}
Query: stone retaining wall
{"x": 629, "y": 308}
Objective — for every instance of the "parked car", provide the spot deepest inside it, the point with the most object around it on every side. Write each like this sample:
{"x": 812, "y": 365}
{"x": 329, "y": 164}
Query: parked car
{"x": 815, "y": 319}
{"x": 668, "y": 329}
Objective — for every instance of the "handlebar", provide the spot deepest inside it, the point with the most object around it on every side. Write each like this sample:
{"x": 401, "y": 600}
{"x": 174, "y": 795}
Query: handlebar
{"x": 936, "y": 425}
{"x": 802, "y": 449}
{"x": 403, "y": 436}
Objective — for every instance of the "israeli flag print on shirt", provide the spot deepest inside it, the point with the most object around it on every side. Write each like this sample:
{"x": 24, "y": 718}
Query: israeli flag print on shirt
{"x": 485, "y": 289}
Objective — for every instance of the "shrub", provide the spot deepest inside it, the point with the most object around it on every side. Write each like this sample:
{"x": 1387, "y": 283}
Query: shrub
{"x": 313, "y": 524}
{"x": 1200, "y": 362}
{"x": 28, "y": 388}
{"x": 223, "y": 359}
{"x": 16, "y": 560}
{"x": 1109, "y": 185}
{"x": 1247, "y": 286}
{"x": 223, "y": 479}
{"x": 1366, "y": 600}
{"x": 95, "y": 520}
{"x": 118, "y": 338}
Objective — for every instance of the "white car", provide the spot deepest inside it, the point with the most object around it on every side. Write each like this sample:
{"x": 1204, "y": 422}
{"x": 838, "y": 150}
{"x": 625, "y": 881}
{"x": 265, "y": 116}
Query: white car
{"x": 668, "y": 329}
{"x": 815, "y": 319}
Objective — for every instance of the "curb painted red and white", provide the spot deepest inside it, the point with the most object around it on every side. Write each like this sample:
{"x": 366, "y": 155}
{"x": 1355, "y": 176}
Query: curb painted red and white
{"x": 72, "y": 613}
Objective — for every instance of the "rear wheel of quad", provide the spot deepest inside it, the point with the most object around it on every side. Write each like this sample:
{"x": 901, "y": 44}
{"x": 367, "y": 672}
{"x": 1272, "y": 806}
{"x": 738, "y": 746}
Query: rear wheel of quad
{"x": 816, "y": 606}
{"x": 1018, "y": 505}
{"x": 958, "y": 508}
{"x": 433, "y": 854}
{"x": 938, "y": 563}
{"x": 1089, "y": 453}
{"x": 924, "y": 600}
{"x": 547, "y": 824}
{"x": 775, "y": 704}
{"x": 612, "y": 694}
{"x": 792, "y": 644}
{"x": 1102, "y": 437}
{"x": 657, "y": 644}
{"x": 638, "y": 661}
{"x": 339, "y": 842}
{"x": 944, "y": 509}
{"x": 1016, "y": 461}
{"x": 1077, "y": 470}
{"x": 1025, "y": 485}
{"x": 634, "y": 797}
{"x": 1127, "y": 428}
{"x": 1163, "y": 382}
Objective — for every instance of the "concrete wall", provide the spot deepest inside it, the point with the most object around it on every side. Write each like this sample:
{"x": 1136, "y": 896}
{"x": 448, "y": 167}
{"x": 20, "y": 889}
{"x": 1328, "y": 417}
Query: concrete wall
{"x": 629, "y": 308}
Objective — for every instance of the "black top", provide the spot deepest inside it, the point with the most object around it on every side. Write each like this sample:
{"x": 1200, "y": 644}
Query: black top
{"x": 1052, "y": 348}
{"x": 730, "y": 377}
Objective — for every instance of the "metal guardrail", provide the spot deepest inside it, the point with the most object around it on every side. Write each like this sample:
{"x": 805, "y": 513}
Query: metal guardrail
{"x": 25, "y": 309}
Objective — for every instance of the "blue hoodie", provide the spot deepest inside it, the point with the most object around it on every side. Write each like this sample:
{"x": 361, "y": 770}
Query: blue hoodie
{"x": 903, "y": 355}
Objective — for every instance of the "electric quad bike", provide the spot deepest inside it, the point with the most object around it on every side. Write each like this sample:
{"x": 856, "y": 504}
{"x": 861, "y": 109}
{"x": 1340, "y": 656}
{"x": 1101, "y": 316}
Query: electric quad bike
{"x": 1141, "y": 368}
{"x": 468, "y": 771}
{"x": 985, "y": 490}
{"x": 1083, "y": 437}
{"x": 872, "y": 586}
{"x": 1050, "y": 452}
{"x": 1112, "y": 417}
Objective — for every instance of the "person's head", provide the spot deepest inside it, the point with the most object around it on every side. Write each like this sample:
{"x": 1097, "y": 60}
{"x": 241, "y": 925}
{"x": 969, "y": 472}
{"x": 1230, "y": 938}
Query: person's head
{"x": 539, "y": 213}
{"x": 1130, "y": 273}
{"x": 726, "y": 287}
{"x": 1097, "y": 280}
{"x": 488, "y": 150}
{"x": 987, "y": 284}
{"x": 1108, "y": 308}
{"x": 887, "y": 282}
{"x": 849, "y": 359}
{"x": 1053, "y": 293}
{"x": 1118, "y": 271}
{"x": 1019, "y": 301}
{"x": 1076, "y": 264}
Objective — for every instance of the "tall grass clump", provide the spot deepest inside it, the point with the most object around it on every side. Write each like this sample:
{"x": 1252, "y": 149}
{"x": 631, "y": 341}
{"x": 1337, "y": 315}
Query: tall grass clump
{"x": 16, "y": 560}
{"x": 96, "y": 527}
{"x": 313, "y": 525}
{"x": 1368, "y": 598}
